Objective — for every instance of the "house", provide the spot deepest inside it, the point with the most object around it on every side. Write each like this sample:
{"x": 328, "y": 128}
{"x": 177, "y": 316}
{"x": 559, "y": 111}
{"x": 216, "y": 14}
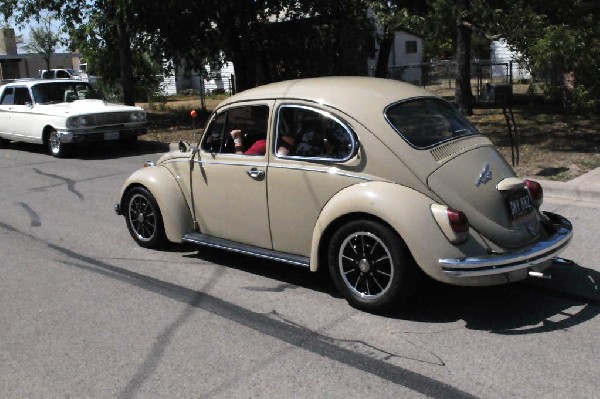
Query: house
{"x": 406, "y": 57}
{"x": 14, "y": 65}
{"x": 214, "y": 79}
{"x": 507, "y": 61}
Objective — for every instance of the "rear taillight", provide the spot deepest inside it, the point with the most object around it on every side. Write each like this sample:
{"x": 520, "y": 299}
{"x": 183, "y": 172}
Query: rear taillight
{"x": 454, "y": 224}
{"x": 536, "y": 191}
{"x": 458, "y": 221}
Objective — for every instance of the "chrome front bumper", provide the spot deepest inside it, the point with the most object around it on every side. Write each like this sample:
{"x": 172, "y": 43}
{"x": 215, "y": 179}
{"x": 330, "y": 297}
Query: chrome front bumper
{"x": 524, "y": 258}
{"x": 92, "y": 135}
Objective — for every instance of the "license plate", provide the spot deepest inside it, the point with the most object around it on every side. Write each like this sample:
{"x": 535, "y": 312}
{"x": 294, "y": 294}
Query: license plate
{"x": 519, "y": 205}
{"x": 111, "y": 136}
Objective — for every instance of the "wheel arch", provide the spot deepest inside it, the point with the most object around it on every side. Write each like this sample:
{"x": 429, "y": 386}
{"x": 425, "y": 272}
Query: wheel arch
{"x": 397, "y": 207}
{"x": 46, "y": 133}
{"x": 174, "y": 209}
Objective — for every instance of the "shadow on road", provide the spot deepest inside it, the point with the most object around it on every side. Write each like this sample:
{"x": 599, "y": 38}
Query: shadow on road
{"x": 572, "y": 297}
{"x": 97, "y": 151}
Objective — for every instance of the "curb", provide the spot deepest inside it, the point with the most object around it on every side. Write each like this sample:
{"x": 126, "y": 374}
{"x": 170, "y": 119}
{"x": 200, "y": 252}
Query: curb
{"x": 583, "y": 188}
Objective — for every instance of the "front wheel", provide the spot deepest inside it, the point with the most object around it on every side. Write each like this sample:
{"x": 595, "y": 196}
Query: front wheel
{"x": 371, "y": 266}
{"x": 55, "y": 147}
{"x": 143, "y": 218}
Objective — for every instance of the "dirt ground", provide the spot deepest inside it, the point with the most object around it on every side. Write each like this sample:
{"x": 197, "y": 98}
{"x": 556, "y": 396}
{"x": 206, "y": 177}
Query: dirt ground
{"x": 553, "y": 143}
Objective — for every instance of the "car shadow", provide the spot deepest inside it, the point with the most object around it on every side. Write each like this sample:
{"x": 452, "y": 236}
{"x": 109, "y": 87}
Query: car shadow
{"x": 97, "y": 151}
{"x": 284, "y": 273}
{"x": 114, "y": 150}
{"x": 533, "y": 306}
{"x": 570, "y": 298}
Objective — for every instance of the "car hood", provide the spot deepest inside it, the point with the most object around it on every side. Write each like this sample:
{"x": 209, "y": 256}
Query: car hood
{"x": 480, "y": 183}
{"x": 84, "y": 107}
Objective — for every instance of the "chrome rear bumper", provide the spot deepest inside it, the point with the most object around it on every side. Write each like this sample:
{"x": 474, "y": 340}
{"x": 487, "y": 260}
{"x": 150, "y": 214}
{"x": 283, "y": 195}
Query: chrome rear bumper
{"x": 524, "y": 258}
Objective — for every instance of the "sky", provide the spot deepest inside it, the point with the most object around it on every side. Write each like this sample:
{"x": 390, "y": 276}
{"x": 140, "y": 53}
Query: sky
{"x": 25, "y": 32}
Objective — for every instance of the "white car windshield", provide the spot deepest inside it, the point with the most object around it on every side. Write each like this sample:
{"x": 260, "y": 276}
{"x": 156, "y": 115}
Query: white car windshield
{"x": 58, "y": 92}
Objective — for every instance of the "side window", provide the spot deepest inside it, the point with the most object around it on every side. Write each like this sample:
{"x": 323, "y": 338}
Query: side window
{"x": 212, "y": 140}
{"x": 315, "y": 134}
{"x": 22, "y": 96}
{"x": 241, "y": 130}
{"x": 60, "y": 74}
{"x": 8, "y": 97}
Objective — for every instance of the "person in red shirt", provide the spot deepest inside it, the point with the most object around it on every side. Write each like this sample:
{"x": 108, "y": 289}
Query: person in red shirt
{"x": 258, "y": 148}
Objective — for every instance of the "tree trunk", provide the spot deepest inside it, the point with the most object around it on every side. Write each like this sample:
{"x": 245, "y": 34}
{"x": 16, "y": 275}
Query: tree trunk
{"x": 125, "y": 56}
{"x": 244, "y": 58}
{"x": 463, "y": 93}
{"x": 383, "y": 57}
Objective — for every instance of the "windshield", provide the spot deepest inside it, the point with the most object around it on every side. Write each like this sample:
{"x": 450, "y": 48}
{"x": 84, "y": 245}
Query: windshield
{"x": 425, "y": 122}
{"x": 58, "y": 92}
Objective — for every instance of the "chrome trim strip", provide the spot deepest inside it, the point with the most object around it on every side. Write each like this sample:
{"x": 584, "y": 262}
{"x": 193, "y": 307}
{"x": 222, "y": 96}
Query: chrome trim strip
{"x": 254, "y": 165}
{"x": 527, "y": 257}
{"x": 331, "y": 170}
{"x": 219, "y": 243}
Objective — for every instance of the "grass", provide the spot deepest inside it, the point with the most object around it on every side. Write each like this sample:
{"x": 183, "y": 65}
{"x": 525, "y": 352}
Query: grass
{"x": 554, "y": 144}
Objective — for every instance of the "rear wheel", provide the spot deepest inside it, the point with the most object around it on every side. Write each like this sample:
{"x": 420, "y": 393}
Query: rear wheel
{"x": 371, "y": 266}
{"x": 55, "y": 147}
{"x": 143, "y": 218}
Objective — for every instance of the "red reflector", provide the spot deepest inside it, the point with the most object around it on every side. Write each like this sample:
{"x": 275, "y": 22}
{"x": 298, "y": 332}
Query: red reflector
{"x": 458, "y": 221}
{"x": 535, "y": 189}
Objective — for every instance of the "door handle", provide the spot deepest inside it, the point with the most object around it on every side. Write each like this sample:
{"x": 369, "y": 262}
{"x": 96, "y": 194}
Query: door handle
{"x": 256, "y": 173}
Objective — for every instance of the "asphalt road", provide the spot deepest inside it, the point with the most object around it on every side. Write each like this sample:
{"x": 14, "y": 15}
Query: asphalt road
{"x": 86, "y": 313}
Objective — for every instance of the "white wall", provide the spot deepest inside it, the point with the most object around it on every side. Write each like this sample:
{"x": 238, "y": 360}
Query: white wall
{"x": 182, "y": 79}
{"x": 503, "y": 54}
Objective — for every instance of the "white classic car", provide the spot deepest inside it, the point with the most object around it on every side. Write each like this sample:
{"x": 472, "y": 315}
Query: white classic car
{"x": 60, "y": 113}
{"x": 372, "y": 179}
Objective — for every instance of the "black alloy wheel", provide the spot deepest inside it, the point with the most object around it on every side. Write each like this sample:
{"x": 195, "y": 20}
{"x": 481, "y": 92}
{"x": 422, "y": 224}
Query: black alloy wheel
{"x": 371, "y": 266}
{"x": 144, "y": 219}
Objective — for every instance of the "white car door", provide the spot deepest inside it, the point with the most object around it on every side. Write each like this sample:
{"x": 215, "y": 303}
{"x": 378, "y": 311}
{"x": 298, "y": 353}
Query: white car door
{"x": 23, "y": 117}
{"x": 7, "y": 101}
{"x": 16, "y": 116}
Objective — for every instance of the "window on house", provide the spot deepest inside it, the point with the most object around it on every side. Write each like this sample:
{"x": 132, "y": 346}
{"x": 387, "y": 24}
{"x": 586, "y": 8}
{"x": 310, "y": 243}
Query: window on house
{"x": 411, "y": 46}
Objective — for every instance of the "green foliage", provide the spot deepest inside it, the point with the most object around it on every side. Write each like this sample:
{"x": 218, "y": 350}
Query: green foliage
{"x": 275, "y": 39}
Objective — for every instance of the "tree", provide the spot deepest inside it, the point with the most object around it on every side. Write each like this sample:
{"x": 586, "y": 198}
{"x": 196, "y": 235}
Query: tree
{"x": 265, "y": 39}
{"x": 43, "y": 40}
{"x": 392, "y": 16}
{"x": 561, "y": 43}
{"x": 75, "y": 12}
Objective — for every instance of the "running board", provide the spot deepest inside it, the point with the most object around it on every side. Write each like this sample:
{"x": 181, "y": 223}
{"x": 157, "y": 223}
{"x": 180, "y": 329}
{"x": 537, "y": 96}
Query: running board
{"x": 214, "y": 242}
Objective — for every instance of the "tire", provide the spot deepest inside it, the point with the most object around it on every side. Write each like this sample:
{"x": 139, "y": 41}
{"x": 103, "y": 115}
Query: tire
{"x": 55, "y": 147}
{"x": 143, "y": 218}
{"x": 3, "y": 143}
{"x": 371, "y": 266}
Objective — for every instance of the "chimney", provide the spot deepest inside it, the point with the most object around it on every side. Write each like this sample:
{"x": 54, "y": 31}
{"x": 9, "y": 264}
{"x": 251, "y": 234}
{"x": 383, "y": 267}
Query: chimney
{"x": 8, "y": 43}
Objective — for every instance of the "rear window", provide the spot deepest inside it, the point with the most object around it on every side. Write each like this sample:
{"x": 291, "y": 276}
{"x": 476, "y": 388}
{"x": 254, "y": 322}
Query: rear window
{"x": 426, "y": 122}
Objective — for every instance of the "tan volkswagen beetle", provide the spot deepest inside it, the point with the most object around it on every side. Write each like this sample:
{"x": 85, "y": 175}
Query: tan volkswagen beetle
{"x": 370, "y": 178}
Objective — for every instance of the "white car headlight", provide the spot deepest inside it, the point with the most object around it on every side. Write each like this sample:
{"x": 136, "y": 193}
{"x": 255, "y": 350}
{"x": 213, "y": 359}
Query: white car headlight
{"x": 138, "y": 116}
{"x": 77, "y": 121}
{"x": 73, "y": 122}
